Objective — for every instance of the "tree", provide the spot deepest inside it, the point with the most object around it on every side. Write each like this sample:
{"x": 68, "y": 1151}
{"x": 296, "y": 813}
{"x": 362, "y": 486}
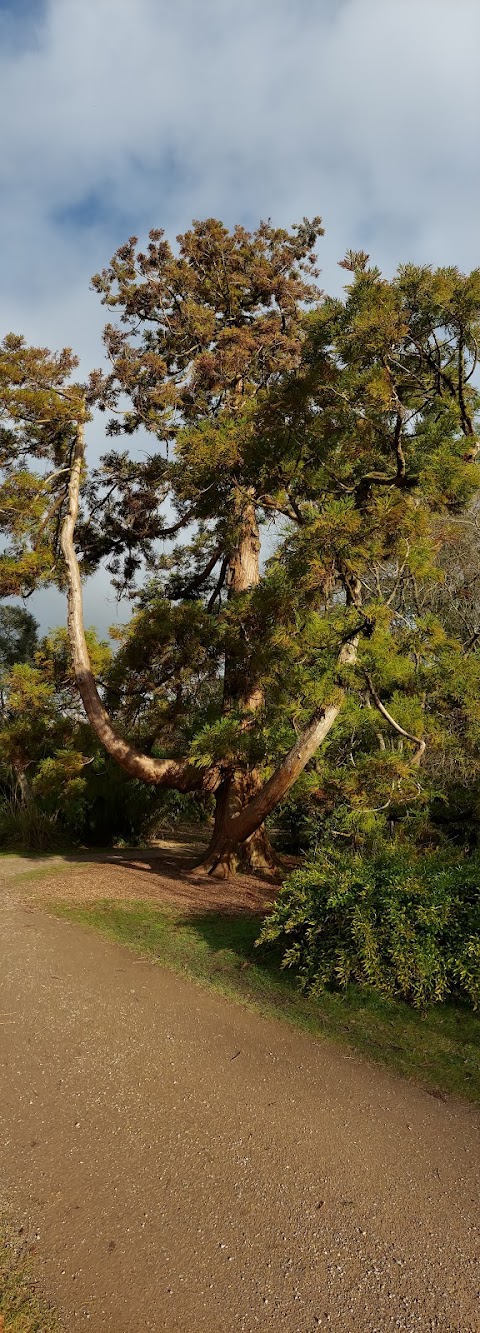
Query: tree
{"x": 339, "y": 430}
{"x": 18, "y": 636}
{"x": 46, "y": 744}
{"x": 18, "y": 642}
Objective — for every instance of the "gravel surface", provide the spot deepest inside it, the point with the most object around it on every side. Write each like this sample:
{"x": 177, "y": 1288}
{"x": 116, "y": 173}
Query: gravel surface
{"x": 189, "y": 1166}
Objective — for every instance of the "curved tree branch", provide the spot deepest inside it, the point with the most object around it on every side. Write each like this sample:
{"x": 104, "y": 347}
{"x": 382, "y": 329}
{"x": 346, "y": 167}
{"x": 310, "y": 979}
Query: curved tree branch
{"x": 240, "y": 827}
{"x": 396, "y": 725}
{"x": 161, "y": 772}
{"x": 189, "y": 589}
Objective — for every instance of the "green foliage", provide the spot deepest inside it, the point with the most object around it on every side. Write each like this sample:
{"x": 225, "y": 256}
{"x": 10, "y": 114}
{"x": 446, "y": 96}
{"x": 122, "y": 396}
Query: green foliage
{"x": 351, "y": 420}
{"x": 18, "y": 636}
{"x": 118, "y": 809}
{"x": 350, "y": 426}
{"x": 38, "y": 406}
{"x": 59, "y": 788}
{"x": 226, "y": 740}
{"x": 45, "y": 747}
{"x": 405, "y": 927}
{"x": 53, "y": 658}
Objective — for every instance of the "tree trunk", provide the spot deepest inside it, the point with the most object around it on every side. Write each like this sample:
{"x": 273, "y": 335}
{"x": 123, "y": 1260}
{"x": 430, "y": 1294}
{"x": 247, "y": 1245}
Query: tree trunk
{"x": 242, "y": 690}
{"x": 22, "y": 783}
{"x": 224, "y": 855}
{"x": 237, "y": 821}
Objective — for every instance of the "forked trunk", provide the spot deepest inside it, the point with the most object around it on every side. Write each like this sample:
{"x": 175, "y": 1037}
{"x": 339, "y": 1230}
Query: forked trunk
{"x": 239, "y": 820}
{"x": 225, "y": 855}
{"x": 242, "y": 803}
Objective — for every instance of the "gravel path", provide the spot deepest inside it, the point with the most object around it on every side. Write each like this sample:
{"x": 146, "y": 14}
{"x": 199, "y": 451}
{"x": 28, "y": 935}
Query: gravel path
{"x": 194, "y": 1168}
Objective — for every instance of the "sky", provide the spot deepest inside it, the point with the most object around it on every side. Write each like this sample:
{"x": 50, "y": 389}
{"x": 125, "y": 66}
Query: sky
{"x": 120, "y": 115}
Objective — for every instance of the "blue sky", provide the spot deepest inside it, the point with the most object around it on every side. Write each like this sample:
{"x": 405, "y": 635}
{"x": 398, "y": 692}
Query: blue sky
{"x": 126, "y": 114}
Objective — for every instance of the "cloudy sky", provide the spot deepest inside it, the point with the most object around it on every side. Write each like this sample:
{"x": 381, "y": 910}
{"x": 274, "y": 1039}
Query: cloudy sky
{"x": 119, "y": 115}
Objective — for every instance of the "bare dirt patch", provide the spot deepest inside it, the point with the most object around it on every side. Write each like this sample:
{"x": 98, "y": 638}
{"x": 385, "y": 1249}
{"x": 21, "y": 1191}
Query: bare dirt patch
{"x": 162, "y": 874}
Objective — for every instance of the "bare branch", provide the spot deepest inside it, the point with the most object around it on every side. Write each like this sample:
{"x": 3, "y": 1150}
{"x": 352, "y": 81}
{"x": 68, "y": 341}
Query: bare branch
{"x": 200, "y": 578}
{"x": 219, "y": 584}
{"x": 267, "y": 502}
{"x": 417, "y": 740}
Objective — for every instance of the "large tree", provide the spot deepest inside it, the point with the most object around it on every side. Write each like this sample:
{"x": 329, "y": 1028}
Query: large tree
{"x": 338, "y": 431}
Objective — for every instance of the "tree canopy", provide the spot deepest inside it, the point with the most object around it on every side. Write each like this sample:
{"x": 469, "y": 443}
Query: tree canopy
{"x": 289, "y": 537}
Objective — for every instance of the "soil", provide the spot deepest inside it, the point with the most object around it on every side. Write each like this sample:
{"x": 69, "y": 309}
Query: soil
{"x": 163, "y": 874}
{"x": 183, "y": 1164}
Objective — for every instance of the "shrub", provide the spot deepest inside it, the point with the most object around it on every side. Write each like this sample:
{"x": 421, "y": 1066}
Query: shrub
{"x": 27, "y": 828}
{"x": 404, "y": 926}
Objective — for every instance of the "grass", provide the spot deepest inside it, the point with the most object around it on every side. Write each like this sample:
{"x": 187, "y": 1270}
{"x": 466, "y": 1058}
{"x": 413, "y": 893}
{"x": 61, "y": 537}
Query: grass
{"x": 64, "y": 849}
{"x": 40, "y": 872}
{"x": 440, "y": 1049}
{"x": 21, "y": 1309}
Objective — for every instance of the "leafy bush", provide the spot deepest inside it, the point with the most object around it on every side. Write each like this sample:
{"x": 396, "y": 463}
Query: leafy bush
{"x": 95, "y": 804}
{"x": 405, "y": 926}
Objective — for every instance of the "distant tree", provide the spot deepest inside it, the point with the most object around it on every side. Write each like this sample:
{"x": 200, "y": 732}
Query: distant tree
{"x": 342, "y": 430}
{"x": 18, "y": 636}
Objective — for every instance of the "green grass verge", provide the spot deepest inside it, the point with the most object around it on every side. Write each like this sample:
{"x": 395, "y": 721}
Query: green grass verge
{"x": 40, "y": 872}
{"x": 13, "y": 855}
{"x": 21, "y": 1308}
{"x": 440, "y": 1049}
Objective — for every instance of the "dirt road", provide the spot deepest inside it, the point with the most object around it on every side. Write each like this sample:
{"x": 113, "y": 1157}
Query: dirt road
{"x": 189, "y": 1166}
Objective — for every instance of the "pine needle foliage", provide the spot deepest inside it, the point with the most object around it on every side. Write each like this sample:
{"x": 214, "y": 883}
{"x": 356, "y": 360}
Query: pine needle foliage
{"x": 308, "y": 462}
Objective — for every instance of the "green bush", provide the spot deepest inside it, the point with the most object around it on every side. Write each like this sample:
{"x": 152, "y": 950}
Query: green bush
{"x": 97, "y": 806}
{"x": 404, "y": 926}
{"x": 27, "y": 828}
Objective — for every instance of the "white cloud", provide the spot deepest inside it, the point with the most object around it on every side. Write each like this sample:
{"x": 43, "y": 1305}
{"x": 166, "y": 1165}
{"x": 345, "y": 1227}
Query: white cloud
{"x": 147, "y": 112}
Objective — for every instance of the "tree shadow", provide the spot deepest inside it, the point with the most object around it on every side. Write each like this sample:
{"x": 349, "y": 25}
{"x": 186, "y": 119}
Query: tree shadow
{"x": 178, "y": 854}
{"x": 174, "y": 875}
{"x": 237, "y": 933}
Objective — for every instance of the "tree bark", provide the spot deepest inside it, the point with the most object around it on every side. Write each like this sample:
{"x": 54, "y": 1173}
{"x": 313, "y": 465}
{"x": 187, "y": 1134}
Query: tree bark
{"x": 237, "y": 824}
{"x": 22, "y": 783}
{"x": 240, "y": 689}
{"x": 254, "y": 854}
{"x": 161, "y": 772}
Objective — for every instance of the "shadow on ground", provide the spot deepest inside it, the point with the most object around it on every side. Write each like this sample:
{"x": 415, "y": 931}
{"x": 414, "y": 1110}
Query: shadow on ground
{"x": 164, "y": 874}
